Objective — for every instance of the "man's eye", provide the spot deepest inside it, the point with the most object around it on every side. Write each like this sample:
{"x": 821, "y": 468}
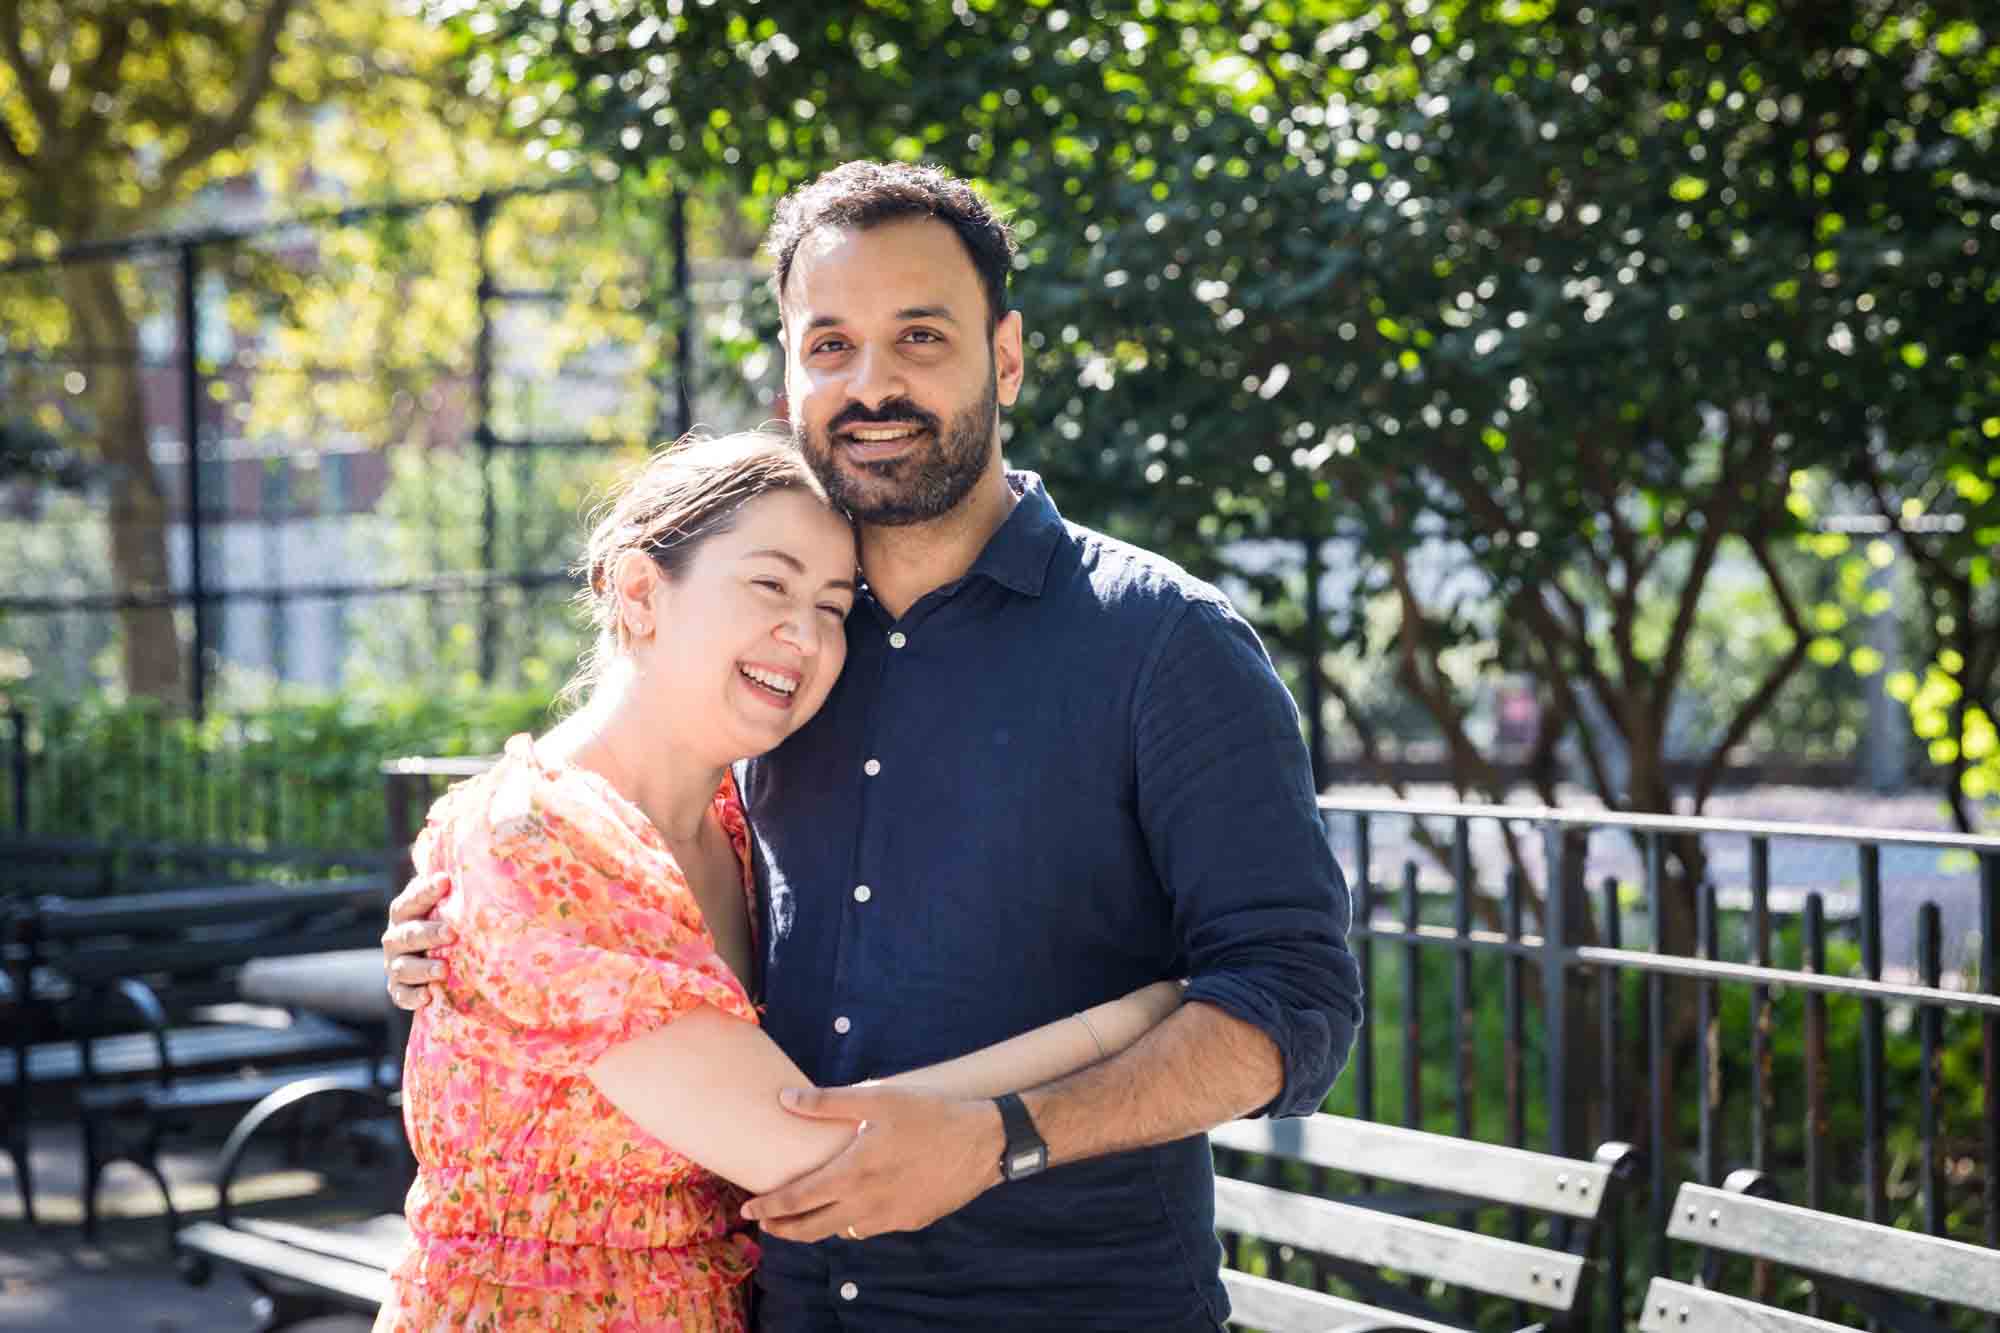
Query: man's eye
{"x": 924, "y": 335}
{"x": 831, "y": 345}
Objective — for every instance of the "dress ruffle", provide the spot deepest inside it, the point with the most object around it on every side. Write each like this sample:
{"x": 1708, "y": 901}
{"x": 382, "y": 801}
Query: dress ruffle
{"x": 532, "y": 1203}
{"x": 700, "y": 1272}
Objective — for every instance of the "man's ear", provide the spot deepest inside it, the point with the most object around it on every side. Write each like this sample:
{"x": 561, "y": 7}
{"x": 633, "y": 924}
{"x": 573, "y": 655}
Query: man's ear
{"x": 1009, "y": 366}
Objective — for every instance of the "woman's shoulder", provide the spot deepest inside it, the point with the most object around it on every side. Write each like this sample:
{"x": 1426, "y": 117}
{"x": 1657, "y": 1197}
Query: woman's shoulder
{"x": 528, "y": 805}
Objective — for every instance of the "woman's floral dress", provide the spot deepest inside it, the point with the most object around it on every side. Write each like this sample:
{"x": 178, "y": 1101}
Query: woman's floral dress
{"x": 537, "y": 1204}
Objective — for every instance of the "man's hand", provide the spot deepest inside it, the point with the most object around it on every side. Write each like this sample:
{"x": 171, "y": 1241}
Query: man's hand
{"x": 916, "y": 1157}
{"x": 411, "y": 931}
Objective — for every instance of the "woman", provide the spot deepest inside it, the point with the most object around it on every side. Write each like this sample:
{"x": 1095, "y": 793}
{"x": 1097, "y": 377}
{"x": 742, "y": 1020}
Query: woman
{"x": 590, "y": 1094}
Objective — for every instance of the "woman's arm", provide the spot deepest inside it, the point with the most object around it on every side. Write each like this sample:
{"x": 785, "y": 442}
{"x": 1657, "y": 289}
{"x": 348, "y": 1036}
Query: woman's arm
{"x": 1051, "y": 1050}
{"x": 708, "y": 1083}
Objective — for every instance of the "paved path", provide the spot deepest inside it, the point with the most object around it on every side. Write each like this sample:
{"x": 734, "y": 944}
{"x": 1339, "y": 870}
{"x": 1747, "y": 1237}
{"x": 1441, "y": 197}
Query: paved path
{"x": 53, "y": 1282}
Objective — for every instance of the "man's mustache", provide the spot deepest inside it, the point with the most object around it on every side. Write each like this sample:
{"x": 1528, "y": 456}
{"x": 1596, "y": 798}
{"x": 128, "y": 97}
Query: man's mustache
{"x": 894, "y": 410}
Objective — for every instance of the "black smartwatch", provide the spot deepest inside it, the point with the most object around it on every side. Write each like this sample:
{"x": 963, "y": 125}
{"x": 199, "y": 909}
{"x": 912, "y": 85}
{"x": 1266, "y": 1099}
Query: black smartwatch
{"x": 1025, "y": 1153}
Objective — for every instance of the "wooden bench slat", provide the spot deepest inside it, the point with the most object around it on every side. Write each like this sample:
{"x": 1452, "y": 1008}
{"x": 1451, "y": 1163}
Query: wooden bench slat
{"x": 234, "y": 1089}
{"x": 1499, "y": 1267}
{"x": 182, "y": 955}
{"x": 1863, "y": 1252}
{"x": 192, "y": 1049}
{"x": 1279, "y": 1307}
{"x": 362, "y": 1287}
{"x": 1386, "y": 1152}
{"x": 378, "y": 1243}
{"x": 1676, "y": 1307}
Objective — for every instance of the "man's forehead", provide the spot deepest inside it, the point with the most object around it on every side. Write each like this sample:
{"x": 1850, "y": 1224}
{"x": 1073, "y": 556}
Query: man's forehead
{"x": 909, "y": 262}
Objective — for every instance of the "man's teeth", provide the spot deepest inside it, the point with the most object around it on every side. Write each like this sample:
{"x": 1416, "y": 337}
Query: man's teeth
{"x": 879, "y": 434}
{"x": 770, "y": 679}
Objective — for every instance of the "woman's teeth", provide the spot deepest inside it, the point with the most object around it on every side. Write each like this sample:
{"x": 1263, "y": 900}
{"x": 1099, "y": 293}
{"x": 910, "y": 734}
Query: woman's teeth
{"x": 771, "y": 680}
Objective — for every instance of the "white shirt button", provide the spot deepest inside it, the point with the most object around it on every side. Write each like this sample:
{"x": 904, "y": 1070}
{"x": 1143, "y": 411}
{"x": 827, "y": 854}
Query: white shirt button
{"x": 872, "y": 767}
{"x": 862, "y": 893}
{"x": 841, "y": 1025}
{"x": 898, "y": 639}
{"x": 848, "y": 1291}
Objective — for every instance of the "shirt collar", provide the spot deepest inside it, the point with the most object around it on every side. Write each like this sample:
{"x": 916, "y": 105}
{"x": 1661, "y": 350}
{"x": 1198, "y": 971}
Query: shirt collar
{"x": 1017, "y": 556}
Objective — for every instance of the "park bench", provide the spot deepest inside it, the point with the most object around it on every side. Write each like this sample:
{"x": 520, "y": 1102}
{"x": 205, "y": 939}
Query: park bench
{"x": 112, "y": 1006}
{"x": 299, "y": 1271}
{"x": 1359, "y": 1239}
{"x": 1895, "y": 1278}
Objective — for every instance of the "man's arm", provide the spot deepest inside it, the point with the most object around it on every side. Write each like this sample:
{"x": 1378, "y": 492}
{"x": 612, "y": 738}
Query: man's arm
{"x": 1199, "y": 1069}
{"x": 920, "y": 1156}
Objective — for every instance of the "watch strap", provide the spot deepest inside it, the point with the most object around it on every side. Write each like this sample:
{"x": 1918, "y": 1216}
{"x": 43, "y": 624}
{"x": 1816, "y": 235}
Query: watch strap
{"x": 1025, "y": 1153}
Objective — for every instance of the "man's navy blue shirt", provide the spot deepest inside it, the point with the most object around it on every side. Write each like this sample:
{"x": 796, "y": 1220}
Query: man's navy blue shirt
{"x": 1068, "y": 774}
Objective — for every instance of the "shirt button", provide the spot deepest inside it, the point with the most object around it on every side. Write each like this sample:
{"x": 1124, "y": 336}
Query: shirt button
{"x": 898, "y": 639}
{"x": 841, "y": 1025}
{"x": 848, "y": 1291}
{"x": 862, "y": 893}
{"x": 872, "y": 767}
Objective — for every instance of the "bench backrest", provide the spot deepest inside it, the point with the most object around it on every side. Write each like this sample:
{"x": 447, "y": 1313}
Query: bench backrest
{"x": 82, "y": 943}
{"x": 1870, "y": 1264}
{"x": 1360, "y": 1237}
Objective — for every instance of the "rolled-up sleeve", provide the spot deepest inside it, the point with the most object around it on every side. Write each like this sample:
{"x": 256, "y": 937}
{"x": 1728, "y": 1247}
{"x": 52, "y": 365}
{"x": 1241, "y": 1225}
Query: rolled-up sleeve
{"x": 1226, "y": 800}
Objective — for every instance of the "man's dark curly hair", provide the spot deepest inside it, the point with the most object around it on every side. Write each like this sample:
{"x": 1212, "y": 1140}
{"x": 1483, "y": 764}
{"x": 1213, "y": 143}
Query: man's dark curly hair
{"x": 861, "y": 195}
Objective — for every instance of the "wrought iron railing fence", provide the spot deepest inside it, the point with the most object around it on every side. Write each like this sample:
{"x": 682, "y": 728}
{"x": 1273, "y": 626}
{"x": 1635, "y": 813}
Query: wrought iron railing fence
{"x": 1820, "y": 1003}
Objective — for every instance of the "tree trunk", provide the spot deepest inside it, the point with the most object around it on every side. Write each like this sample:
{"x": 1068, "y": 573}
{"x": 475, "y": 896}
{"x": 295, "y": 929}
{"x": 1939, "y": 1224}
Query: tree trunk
{"x": 139, "y": 563}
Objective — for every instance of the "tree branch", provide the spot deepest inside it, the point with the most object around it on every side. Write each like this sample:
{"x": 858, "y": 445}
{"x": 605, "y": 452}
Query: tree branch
{"x": 34, "y": 88}
{"x": 210, "y": 137}
{"x": 1469, "y": 768}
{"x": 11, "y": 150}
{"x": 100, "y": 76}
{"x": 1774, "y": 680}
{"x": 1715, "y": 523}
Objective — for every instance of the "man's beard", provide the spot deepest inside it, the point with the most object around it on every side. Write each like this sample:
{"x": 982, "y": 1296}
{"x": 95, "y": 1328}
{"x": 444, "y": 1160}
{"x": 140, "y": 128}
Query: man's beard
{"x": 919, "y": 485}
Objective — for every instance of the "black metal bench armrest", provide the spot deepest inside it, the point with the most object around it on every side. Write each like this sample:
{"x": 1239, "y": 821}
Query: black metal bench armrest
{"x": 141, "y": 999}
{"x": 261, "y": 1114}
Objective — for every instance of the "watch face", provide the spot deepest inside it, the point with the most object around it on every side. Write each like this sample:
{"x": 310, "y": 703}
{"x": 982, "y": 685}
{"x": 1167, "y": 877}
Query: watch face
{"x": 1026, "y": 1163}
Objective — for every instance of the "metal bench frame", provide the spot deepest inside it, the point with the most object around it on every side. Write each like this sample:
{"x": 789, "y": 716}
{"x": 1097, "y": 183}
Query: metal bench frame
{"x": 84, "y": 1020}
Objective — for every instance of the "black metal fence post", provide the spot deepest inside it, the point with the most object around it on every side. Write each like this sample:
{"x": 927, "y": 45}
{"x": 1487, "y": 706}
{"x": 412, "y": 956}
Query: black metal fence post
{"x": 1309, "y": 676}
{"x": 484, "y": 437}
{"x": 684, "y": 337}
{"x": 198, "y": 651}
{"x": 1555, "y": 983}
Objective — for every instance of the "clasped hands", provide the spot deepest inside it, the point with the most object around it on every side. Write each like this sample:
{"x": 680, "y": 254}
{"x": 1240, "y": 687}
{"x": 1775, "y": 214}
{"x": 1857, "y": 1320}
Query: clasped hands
{"x": 916, "y": 1155}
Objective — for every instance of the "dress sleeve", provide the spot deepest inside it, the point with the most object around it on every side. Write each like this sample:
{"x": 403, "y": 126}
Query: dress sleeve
{"x": 563, "y": 952}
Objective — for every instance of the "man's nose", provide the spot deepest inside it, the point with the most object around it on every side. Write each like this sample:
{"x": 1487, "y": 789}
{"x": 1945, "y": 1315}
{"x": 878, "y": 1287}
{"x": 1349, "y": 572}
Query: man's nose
{"x": 877, "y": 378}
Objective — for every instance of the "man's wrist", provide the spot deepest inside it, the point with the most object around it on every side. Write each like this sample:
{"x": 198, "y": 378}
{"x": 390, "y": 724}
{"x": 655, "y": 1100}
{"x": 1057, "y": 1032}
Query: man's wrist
{"x": 992, "y": 1140}
{"x": 1025, "y": 1152}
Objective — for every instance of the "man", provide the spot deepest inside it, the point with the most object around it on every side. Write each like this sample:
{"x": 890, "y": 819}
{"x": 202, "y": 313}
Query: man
{"x": 1056, "y": 768}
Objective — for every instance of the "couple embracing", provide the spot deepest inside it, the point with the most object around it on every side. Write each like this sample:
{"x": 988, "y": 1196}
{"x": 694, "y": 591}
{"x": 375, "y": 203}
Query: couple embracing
{"x": 920, "y": 879}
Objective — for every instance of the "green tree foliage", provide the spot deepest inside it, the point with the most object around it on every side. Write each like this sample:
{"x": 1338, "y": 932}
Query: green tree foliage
{"x": 122, "y": 117}
{"x": 1571, "y": 299}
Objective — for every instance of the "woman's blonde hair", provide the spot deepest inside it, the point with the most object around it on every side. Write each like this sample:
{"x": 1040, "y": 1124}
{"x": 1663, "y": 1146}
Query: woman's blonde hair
{"x": 684, "y": 494}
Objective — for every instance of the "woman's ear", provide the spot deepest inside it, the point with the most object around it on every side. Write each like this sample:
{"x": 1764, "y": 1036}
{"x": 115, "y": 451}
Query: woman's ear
{"x": 635, "y": 583}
